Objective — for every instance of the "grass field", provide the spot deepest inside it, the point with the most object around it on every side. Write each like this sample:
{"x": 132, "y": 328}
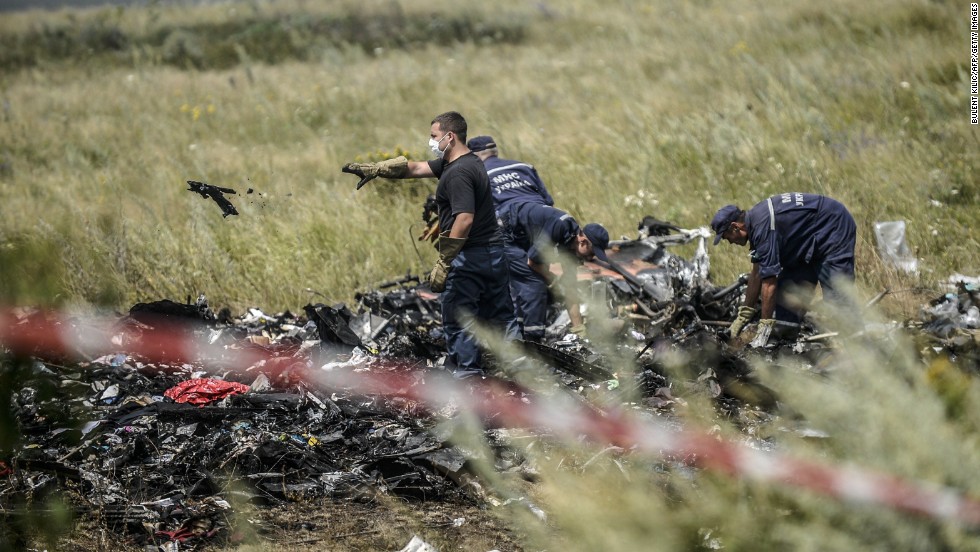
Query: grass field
{"x": 627, "y": 109}
{"x": 671, "y": 109}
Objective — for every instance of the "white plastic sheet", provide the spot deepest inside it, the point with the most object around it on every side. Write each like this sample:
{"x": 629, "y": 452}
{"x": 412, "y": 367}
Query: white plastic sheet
{"x": 418, "y": 545}
{"x": 893, "y": 248}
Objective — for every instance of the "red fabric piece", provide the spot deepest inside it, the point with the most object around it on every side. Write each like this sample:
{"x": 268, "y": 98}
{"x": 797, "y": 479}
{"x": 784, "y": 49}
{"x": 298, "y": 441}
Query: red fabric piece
{"x": 203, "y": 390}
{"x": 179, "y": 535}
{"x": 184, "y": 533}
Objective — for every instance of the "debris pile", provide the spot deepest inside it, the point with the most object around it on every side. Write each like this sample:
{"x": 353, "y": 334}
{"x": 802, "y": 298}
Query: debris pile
{"x": 164, "y": 451}
{"x": 950, "y": 325}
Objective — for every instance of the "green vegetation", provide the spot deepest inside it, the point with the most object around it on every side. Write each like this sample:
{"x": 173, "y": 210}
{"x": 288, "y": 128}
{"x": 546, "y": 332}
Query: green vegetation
{"x": 626, "y": 108}
{"x": 221, "y": 41}
{"x": 107, "y": 112}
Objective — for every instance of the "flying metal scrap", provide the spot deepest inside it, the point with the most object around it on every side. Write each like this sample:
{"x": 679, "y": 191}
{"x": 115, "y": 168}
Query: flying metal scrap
{"x": 216, "y": 193}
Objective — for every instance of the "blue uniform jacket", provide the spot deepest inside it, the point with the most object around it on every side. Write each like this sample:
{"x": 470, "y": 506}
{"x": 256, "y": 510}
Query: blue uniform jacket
{"x": 808, "y": 229}
{"x": 514, "y": 182}
{"x": 535, "y": 227}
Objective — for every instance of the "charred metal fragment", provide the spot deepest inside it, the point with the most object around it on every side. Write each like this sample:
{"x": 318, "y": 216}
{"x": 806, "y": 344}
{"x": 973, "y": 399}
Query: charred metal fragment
{"x": 333, "y": 323}
{"x": 651, "y": 226}
{"x": 216, "y": 193}
{"x": 570, "y": 363}
{"x": 167, "y": 311}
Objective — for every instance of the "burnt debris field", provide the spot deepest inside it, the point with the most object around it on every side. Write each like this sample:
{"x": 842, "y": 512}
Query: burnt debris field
{"x": 163, "y": 425}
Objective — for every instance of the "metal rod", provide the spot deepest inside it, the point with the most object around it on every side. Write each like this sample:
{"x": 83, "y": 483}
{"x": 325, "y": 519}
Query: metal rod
{"x": 742, "y": 280}
{"x": 877, "y": 298}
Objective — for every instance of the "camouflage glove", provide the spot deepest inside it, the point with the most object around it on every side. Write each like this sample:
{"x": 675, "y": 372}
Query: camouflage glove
{"x": 437, "y": 278}
{"x": 745, "y": 313}
{"x": 762, "y": 333}
{"x": 389, "y": 168}
{"x": 448, "y": 249}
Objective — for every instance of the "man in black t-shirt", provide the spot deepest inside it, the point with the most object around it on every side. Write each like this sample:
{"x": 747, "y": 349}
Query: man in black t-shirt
{"x": 471, "y": 271}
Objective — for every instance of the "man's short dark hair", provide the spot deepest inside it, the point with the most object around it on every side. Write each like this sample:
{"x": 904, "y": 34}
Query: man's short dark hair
{"x": 451, "y": 121}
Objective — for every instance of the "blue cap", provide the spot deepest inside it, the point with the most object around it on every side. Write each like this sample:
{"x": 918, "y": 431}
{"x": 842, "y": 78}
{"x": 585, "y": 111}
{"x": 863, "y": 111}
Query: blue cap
{"x": 599, "y": 238}
{"x": 481, "y": 143}
{"x": 724, "y": 219}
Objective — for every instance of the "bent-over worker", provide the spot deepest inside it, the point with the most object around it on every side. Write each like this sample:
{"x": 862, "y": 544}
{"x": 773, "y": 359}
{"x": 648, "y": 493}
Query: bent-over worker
{"x": 534, "y": 233}
{"x": 796, "y": 240}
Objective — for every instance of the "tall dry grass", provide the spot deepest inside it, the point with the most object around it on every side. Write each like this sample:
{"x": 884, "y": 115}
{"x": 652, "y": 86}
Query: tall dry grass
{"x": 627, "y": 109}
{"x": 694, "y": 104}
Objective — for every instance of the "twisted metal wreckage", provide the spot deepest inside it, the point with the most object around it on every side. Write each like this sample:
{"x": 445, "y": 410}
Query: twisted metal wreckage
{"x": 149, "y": 429}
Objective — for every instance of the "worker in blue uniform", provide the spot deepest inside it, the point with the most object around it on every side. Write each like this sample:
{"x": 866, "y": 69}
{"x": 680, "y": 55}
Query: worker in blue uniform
{"x": 797, "y": 240}
{"x": 536, "y": 234}
{"x": 512, "y": 182}
{"x": 515, "y": 183}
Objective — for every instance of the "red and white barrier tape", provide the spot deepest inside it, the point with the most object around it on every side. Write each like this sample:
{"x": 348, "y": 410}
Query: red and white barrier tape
{"x": 49, "y": 335}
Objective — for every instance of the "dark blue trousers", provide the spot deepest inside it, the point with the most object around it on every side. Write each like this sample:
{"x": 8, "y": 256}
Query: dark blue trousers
{"x": 478, "y": 286}
{"x": 529, "y": 292}
{"x": 802, "y": 280}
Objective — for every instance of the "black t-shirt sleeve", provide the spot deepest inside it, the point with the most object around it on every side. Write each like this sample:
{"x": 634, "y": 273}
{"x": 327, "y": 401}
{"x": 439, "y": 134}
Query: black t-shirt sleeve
{"x": 436, "y": 165}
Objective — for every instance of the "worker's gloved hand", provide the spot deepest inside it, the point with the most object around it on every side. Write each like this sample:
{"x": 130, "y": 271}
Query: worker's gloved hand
{"x": 763, "y": 332}
{"x": 437, "y": 277}
{"x": 578, "y": 329}
{"x": 745, "y": 313}
{"x": 448, "y": 249}
{"x": 389, "y": 168}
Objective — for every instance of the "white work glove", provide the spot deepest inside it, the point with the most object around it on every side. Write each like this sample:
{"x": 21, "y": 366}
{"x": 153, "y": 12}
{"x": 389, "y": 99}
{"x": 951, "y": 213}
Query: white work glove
{"x": 762, "y": 333}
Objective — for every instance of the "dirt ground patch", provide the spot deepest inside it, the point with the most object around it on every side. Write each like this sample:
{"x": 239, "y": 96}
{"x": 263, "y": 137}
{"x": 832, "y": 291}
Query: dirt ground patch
{"x": 385, "y": 524}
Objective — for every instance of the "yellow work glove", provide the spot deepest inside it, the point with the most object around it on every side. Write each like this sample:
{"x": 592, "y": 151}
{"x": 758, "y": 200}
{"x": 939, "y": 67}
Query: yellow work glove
{"x": 437, "y": 277}
{"x": 389, "y": 168}
{"x": 578, "y": 329}
{"x": 745, "y": 313}
{"x": 448, "y": 249}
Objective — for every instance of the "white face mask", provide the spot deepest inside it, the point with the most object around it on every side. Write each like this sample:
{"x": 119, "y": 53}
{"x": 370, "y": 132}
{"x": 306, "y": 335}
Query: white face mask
{"x": 434, "y": 146}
